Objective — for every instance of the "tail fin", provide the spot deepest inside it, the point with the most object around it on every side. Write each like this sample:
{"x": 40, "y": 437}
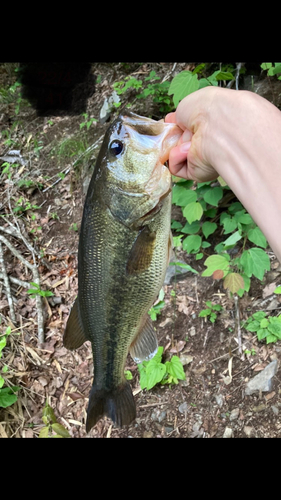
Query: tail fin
{"x": 119, "y": 405}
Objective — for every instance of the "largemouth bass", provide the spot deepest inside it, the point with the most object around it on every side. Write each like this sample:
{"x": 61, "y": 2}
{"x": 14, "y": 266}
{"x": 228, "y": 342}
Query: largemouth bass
{"x": 123, "y": 255}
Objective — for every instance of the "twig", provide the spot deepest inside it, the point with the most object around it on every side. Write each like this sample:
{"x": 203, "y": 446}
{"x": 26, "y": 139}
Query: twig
{"x": 237, "y": 321}
{"x": 7, "y": 284}
{"x": 36, "y": 279}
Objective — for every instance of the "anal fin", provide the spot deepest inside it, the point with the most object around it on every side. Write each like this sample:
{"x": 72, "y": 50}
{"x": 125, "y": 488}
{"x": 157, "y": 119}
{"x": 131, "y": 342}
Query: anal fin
{"x": 74, "y": 335}
{"x": 145, "y": 345}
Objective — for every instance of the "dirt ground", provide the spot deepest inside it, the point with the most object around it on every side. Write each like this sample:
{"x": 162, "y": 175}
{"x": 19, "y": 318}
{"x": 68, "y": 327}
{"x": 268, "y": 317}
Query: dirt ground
{"x": 211, "y": 402}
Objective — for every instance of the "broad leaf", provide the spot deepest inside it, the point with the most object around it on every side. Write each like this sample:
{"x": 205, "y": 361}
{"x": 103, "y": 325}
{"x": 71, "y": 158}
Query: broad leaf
{"x": 257, "y": 237}
{"x": 233, "y": 281}
{"x": 213, "y": 196}
{"x": 214, "y": 263}
{"x": 193, "y": 211}
{"x": 208, "y": 228}
{"x": 192, "y": 243}
{"x": 183, "y": 84}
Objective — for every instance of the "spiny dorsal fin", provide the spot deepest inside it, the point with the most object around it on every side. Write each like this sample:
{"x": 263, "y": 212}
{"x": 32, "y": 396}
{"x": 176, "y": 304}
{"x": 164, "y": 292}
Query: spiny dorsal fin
{"x": 74, "y": 335}
{"x": 145, "y": 345}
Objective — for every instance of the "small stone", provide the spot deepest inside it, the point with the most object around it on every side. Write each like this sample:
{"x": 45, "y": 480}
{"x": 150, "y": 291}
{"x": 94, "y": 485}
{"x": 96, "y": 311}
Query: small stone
{"x": 219, "y": 400}
{"x": 275, "y": 410}
{"x": 248, "y": 430}
{"x": 185, "y": 359}
{"x": 228, "y": 433}
{"x": 263, "y": 380}
{"x": 183, "y": 407}
{"x": 234, "y": 414}
{"x": 192, "y": 331}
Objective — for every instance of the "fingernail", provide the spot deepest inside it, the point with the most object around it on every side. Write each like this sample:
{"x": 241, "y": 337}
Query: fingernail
{"x": 185, "y": 147}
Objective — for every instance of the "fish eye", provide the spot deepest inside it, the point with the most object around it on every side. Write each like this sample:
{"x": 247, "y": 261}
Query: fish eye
{"x": 116, "y": 147}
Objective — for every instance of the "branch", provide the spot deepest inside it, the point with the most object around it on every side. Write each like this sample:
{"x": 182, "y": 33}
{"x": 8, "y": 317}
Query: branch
{"x": 36, "y": 279}
{"x": 7, "y": 285}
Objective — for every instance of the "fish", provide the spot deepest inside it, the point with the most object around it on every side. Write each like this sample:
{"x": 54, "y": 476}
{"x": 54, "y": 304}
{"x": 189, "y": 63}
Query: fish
{"x": 123, "y": 253}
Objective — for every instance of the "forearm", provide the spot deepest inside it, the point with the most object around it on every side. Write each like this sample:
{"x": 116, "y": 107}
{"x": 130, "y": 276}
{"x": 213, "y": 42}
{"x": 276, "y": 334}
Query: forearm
{"x": 244, "y": 146}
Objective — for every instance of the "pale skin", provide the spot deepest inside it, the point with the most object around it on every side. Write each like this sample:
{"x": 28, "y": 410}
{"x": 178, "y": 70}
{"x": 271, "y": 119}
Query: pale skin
{"x": 237, "y": 135}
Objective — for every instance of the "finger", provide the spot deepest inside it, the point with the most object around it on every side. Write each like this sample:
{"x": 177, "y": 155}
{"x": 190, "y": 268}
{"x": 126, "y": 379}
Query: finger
{"x": 170, "y": 118}
{"x": 178, "y": 160}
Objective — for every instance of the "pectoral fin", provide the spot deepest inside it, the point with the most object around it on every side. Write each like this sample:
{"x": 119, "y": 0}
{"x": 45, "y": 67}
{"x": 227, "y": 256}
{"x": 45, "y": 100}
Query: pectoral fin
{"x": 141, "y": 252}
{"x": 74, "y": 335}
{"x": 145, "y": 345}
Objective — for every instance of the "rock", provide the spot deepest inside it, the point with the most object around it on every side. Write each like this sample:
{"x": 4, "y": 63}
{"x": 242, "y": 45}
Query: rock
{"x": 234, "y": 414}
{"x": 158, "y": 415}
{"x": 185, "y": 359}
{"x": 108, "y": 106}
{"x": 228, "y": 433}
{"x": 219, "y": 400}
{"x": 275, "y": 409}
{"x": 183, "y": 407}
{"x": 248, "y": 430}
{"x": 263, "y": 380}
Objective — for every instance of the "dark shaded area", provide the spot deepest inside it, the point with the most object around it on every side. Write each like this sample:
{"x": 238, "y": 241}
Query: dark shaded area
{"x": 57, "y": 88}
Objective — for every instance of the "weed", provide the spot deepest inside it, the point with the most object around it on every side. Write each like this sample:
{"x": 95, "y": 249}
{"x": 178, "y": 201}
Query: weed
{"x": 211, "y": 311}
{"x": 8, "y": 395}
{"x": 88, "y": 121}
{"x": 158, "y": 306}
{"x": 37, "y": 291}
{"x": 266, "y": 327}
{"x": 154, "y": 371}
{"x": 52, "y": 428}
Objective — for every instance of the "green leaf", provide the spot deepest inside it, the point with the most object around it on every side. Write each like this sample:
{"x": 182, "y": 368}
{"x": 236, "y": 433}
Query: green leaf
{"x": 231, "y": 240}
{"x": 175, "y": 368}
{"x": 229, "y": 224}
{"x": 8, "y": 396}
{"x": 191, "y": 228}
{"x": 275, "y": 329}
{"x": 266, "y": 66}
{"x": 259, "y": 315}
{"x": 60, "y": 430}
{"x": 264, "y": 323}
{"x": 253, "y": 326}
{"x": 255, "y": 261}
{"x": 214, "y": 263}
{"x": 204, "y": 313}
{"x": 243, "y": 217}
{"x": 277, "y": 290}
{"x": 183, "y": 84}
{"x": 192, "y": 243}
{"x": 184, "y": 266}
{"x": 223, "y": 75}
{"x": 3, "y": 342}
{"x": 213, "y": 196}
{"x": 182, "y": 195}
{"x": 155, "y": 371}
{"x": 44, "y": 433}
{"x": 257, "y": 237}
{"x": 193, "y": 211}
{"x": 208, "y": 228}
{"x": 128, "y": 375}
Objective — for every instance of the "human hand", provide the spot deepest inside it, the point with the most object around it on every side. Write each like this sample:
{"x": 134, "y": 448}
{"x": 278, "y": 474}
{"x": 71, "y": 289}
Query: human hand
{"x": 190, "y": 159}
